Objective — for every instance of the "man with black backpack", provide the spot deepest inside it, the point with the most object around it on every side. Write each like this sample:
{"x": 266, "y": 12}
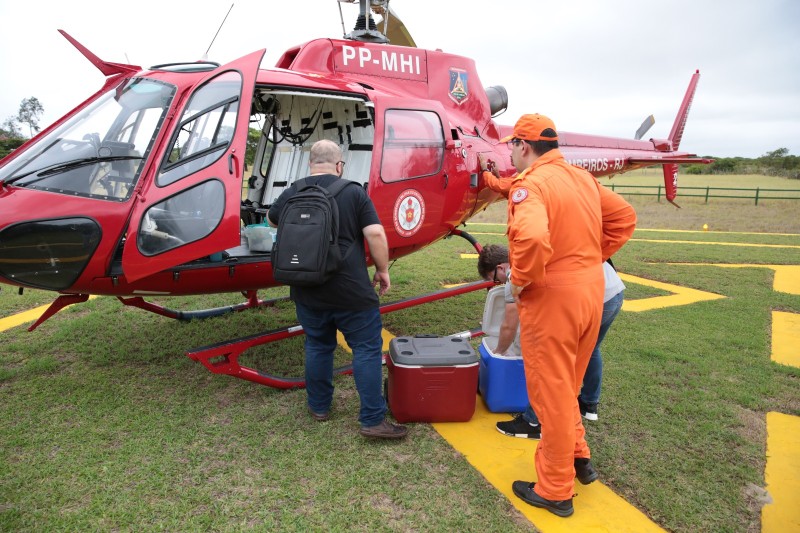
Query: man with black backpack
{"x": 346, "y": 300}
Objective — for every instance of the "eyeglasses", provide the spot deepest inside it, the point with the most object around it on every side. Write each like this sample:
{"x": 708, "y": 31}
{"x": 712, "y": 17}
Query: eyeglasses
{"x": 494, "y": 278}
{"x": 341, "y": 163}
{"x": 514, "y": 142}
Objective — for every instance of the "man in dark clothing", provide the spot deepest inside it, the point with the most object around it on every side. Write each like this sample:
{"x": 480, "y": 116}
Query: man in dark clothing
{"x": 346, "y": 302}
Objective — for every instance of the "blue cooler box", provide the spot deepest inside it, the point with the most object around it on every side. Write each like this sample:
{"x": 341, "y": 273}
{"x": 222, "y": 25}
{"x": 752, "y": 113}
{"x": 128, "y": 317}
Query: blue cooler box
{"x": 501, "y": 379}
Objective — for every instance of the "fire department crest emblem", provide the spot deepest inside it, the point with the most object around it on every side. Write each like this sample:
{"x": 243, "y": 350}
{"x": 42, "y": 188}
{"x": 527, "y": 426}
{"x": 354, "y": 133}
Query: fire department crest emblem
{"x": 409, "y": 213}
{"x": 459, "y": 88}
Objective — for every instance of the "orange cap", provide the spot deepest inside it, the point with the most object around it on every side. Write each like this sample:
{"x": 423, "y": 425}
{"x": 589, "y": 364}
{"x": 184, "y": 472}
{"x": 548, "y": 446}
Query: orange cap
{"x": 530, "y": 128}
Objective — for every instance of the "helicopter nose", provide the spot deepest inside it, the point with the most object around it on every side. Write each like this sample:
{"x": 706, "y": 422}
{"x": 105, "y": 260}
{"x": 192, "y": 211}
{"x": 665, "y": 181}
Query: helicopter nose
{"x": 48, "y": 254}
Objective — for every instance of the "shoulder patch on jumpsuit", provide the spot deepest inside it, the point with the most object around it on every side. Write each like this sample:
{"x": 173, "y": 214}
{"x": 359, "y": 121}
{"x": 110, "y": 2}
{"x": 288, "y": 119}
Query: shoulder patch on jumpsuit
{"x": 519, "y": 195}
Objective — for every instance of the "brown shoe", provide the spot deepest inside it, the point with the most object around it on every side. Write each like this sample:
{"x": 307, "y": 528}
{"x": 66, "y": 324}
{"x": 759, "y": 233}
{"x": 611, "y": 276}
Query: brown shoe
{"x": 384, "y": 430}
{"x": 319, "y": 417}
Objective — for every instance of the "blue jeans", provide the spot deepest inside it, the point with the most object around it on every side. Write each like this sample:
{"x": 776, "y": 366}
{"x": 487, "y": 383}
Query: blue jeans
{"x": 362, "y": 331}
{"x": 592, "y": 380}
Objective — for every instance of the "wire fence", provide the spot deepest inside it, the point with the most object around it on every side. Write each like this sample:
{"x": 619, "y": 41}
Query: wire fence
{"x": 758, "y": 194}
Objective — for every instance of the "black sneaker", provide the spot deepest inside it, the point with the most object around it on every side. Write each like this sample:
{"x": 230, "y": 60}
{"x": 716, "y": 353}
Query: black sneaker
{"x": 519, "y": 427}
{"x": 585, "y": 472}
{"x": 525, "y": 491}
{"x": 588, "y": 410}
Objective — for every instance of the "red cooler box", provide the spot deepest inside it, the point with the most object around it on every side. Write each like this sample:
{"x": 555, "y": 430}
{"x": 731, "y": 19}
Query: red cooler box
{"x": 431, "y": 379}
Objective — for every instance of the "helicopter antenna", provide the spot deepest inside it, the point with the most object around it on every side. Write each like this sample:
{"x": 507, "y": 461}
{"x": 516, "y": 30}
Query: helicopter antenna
{"x": 205, "y": 56}
{"x": 341, "y": 17}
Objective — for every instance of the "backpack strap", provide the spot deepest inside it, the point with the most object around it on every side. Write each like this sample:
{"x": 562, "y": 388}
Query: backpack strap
{"x": 334, "y": 189}
{"x": 301, "y": 184}
{"x": 337, "y": 186}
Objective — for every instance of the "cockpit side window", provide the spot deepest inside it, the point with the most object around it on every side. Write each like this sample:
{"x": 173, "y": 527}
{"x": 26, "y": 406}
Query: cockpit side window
{"x": 413, "y": 144}
{"x": 205, "y": 130}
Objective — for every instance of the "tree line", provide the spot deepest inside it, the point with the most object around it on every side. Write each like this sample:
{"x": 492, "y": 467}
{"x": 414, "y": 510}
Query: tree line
{"x": 775, "y": 163}
{"x": 11, "y": 133}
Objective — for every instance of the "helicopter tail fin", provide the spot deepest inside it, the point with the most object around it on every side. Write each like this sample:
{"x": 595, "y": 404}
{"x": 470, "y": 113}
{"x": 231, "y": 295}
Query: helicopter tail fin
{"x": 676, "y": 134}
{"x": 108, "y": 69}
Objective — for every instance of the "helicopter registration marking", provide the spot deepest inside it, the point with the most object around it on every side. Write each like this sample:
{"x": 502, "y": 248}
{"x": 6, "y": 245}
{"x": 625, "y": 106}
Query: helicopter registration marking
{"x": 391, "y": 63}
{"x": 409, "y": 213}
{"x": 598, "y": 165}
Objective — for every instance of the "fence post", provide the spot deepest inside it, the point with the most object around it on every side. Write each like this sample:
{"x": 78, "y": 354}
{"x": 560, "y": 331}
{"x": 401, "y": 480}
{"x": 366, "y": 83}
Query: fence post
{"x": 757, "y": 188}
{"x": 707, "y": 187}
{"x": 658, "y": 196}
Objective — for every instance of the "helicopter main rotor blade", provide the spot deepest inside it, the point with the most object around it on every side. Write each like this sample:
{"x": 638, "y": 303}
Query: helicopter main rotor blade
{"x": 396, "y": 31}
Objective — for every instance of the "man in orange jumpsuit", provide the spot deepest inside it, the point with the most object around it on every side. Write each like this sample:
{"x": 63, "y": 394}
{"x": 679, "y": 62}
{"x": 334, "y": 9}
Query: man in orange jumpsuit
{"x": 562, "y": 224}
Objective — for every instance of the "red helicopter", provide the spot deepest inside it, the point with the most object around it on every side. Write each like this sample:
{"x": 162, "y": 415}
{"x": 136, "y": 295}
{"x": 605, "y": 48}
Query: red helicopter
{"x": 141, "y": 189}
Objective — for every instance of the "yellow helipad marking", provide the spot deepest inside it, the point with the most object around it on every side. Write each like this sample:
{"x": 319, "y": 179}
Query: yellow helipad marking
{"x": 782, "y": 474}
{"x": 710, "y": 243}
{"x": 787, "y": 277}
{"x": 503, "y": 460}
{"x": 671, "y": 230}
{"x": 384, "y": 334}
{"x": 786, "y": 339}
{"x": 26, "y": 316}
{"x": 680, "y": 296}
{"x": 719, "y": 232}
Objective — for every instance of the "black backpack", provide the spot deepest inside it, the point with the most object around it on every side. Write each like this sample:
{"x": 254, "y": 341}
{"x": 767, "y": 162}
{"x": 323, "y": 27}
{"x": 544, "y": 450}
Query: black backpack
{"x": 306, "y": 249}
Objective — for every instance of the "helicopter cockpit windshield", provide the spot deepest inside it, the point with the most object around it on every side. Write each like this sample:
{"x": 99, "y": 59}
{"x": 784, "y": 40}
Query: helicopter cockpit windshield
{"x": 99, "y": 152}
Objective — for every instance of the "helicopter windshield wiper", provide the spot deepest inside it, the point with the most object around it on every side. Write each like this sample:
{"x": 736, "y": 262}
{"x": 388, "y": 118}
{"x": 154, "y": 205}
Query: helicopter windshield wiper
{"x": 58, "y": 168}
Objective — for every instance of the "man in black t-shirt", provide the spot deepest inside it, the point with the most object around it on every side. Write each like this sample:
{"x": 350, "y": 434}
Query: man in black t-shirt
{"x": 346, "y": 302}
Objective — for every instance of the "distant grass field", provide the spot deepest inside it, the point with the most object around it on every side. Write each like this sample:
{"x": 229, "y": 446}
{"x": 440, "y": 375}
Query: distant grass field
{"x": 770, "y": 216}
{"x": 105, "y": 424}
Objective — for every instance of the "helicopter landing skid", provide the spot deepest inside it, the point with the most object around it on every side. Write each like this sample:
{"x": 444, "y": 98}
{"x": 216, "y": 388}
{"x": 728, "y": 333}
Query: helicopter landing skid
{"x": 223, "y": 358}
{"x": 252, "y": 302}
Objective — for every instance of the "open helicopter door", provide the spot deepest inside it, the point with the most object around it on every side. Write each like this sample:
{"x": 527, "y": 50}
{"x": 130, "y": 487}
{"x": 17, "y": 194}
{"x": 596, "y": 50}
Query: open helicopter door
{"x": 190, "y": 207}
{"x": 410, "y": 148}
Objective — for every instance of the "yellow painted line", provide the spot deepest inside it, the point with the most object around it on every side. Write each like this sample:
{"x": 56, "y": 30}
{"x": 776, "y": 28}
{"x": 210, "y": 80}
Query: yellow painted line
{"x": 719, "y": 232}
{"x": 680, "y": 295}
{"x": 782, "y": 474}
{"x": 672, "y": 230}
{"x": 709, "y": 243}
{"x": 384, "y": 333}
{"x": 21, "y": 318}
{"x": 787, "y": 277}
{"x": 26, "y": 316}
{"x": 786, "y": 340}
{"x": 503, "y": 460}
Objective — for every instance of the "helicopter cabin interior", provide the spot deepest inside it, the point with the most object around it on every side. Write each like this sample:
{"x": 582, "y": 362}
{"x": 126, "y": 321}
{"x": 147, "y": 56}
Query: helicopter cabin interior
{"x": 289, "y": 123}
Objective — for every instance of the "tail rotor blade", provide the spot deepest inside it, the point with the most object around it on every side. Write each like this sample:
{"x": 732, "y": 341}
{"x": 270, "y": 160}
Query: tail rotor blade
{"x": 645, "y": 127}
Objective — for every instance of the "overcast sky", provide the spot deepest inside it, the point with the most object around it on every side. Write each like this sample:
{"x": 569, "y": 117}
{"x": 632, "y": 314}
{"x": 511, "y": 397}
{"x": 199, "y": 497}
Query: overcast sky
{"x": 593, "y": 66}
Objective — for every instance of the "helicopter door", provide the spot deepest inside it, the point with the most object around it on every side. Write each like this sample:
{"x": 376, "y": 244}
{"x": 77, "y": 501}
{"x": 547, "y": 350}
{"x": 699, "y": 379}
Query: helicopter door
{"x": 409, "y": 158}
{"x": 190, "y": 208}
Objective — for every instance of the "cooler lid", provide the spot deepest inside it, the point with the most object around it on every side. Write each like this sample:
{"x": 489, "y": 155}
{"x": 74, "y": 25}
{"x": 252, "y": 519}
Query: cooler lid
{"x": 493, "y": 311}
{"x": 432, "y": 351}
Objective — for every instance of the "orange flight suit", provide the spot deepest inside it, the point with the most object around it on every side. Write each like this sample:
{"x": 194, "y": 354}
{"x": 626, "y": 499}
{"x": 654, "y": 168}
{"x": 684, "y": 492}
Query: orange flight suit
{"x": 562, "y": 224}
{"x": 501, "y": 185}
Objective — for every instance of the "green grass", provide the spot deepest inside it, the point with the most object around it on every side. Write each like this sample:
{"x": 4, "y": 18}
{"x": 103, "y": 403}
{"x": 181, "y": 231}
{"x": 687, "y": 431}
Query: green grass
{"x": 106, "y": 424}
